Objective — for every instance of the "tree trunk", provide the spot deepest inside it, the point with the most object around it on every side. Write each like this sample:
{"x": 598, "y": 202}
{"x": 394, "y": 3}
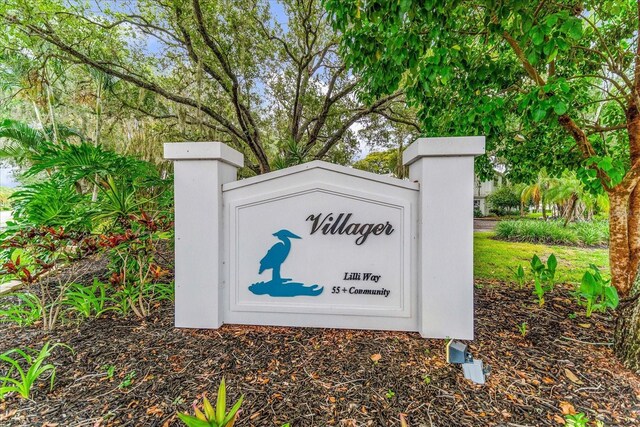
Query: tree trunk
{"x": 571, "y": 207}
{"x": 619, "y": 254}
{"x": 627, "y": 332}
{"x": 626, "y": 337}
{"x": 622, "y": 214}
{"x": 634, "y": 229}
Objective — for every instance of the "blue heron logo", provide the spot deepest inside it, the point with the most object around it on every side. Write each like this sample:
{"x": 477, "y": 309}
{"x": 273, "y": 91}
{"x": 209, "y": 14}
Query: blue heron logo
{"x": 273, "y": 260}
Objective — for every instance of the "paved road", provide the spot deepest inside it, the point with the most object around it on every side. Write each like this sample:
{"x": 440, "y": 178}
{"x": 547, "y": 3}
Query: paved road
{"x": 480, "y": 224}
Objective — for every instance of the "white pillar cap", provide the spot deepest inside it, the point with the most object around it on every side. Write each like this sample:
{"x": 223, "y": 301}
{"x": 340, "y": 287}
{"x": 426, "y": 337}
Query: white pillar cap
{"x": 203, "y": 151}
{"x": 444, "y": 147}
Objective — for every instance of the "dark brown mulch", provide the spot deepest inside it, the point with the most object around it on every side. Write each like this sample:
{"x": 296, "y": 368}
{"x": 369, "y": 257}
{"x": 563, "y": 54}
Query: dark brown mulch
{"x": 319, "y": 377}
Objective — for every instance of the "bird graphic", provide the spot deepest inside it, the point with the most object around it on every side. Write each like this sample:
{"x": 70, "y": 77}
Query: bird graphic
{"x": 277, "y": 255}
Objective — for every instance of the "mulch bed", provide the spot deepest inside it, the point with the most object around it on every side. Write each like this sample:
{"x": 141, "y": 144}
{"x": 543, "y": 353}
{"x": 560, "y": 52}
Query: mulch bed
{"x": 319, "y": 377}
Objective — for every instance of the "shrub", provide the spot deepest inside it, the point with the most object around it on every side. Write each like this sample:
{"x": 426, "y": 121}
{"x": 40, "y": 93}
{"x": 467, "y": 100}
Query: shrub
{"x": 133, "y": 267}
{"x": 554, "y": 232}
{"x": 592, "y": 233}
{"x": 504, "y": 200}
{"x": 53, "y": 203}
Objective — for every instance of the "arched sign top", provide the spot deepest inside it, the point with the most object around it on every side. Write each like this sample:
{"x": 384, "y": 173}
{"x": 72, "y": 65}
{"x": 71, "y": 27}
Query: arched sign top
{"x": 324, "y": 166}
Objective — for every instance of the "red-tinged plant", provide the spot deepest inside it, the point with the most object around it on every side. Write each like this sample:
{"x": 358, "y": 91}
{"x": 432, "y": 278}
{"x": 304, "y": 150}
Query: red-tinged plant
{"x": 117, "y": 278}
{"x": 29, "y": 255}
{"x": 157, "y": 272}
{"x": 133, "y": 266}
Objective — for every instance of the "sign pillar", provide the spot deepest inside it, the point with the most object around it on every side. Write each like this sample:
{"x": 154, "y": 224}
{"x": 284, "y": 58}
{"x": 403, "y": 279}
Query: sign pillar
{"x": 444, "y": 167}
{"x": 200, "y": 170}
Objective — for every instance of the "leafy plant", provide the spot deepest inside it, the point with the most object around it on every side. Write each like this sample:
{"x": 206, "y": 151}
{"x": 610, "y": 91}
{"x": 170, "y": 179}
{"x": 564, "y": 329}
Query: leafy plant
{"x": 218, "y": 417}
{"x": 159, "y": 291}
{"x": 596, "y": 293}
{"x": 544, "y": 275}
{"x": 25, "y": 313}
{"x": 30, "y": 253}
{"x": 135, "y": 272}
{"x": 576, "y": 420}
{"x": 520, "y": 276}
{"x": 109, "y": 370}
{"x": 390, "y": 394}
{"x": 523, "y": 328}
{"x": 122, "y": 298}
{"x": 87, "y": 300}
{"x": 34, "y": 368}
{"x": 127, "y": 380}
{"x": 52, "y": 203}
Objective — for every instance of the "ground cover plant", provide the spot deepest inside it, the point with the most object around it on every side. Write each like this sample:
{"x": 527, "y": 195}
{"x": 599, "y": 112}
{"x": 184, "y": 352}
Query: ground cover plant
{"x": 592, "y": 233}
{"x": 543, "y": 275}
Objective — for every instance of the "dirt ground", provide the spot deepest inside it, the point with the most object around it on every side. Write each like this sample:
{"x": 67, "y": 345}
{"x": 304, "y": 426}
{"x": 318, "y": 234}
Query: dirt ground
{"x": 319, "y": 377}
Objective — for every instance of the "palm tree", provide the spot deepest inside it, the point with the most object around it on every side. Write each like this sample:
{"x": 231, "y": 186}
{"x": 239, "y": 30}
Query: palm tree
{"x": 536, "y": 192}
{"x": 569, "y": 193}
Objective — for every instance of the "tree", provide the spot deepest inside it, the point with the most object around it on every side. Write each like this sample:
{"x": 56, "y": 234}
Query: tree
{"x": 387, "y": 162}
{"x": 504, "y": 200}
{"x": 536, "y": 192}
{"x": 216, "y": 62}
{"x": 553, "y": 84}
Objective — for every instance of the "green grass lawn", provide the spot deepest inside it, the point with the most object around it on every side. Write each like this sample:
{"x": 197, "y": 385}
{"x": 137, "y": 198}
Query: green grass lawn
{"x": 495, "y": 259}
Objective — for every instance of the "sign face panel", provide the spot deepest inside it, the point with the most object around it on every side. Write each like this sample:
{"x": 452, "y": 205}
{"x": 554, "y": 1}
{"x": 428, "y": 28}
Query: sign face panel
{"x": 317, "y": 249}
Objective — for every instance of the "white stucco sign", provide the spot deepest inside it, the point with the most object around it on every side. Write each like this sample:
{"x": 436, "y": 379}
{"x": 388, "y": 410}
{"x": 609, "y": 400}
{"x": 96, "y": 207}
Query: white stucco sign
{"x": 326, "y": 246}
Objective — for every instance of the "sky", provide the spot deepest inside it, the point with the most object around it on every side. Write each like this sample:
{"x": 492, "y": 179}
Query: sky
{"x": 6, "y": 176}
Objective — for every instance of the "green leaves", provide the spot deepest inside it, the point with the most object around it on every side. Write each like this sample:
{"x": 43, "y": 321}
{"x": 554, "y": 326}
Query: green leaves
{"x": 538, "y": 114}
{"x": 25, "y": 313}
{"x": 560, "y": 107}
{"x": 552, "y": 263}
{"x": 214, "y": 417}
{"x": 52, "y": 203}
{"x": 87, "y": 300}
{"x": 596, "y": 293}
{"x": 480, "y": 64}
{"x": 614, "y": 169}
{"x": 572, "y": 28}
{"x": 543, "y": 275}
{"x": 29, "y": 367}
